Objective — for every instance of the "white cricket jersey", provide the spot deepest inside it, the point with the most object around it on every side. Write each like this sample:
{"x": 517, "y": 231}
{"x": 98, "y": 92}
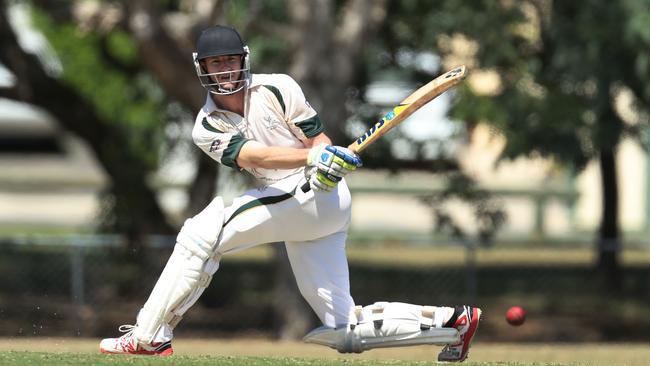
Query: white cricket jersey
{"x": 277, "y": 115}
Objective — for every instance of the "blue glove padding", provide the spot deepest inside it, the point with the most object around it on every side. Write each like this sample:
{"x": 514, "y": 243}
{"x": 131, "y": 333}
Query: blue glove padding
{"x": 327, "y": 165}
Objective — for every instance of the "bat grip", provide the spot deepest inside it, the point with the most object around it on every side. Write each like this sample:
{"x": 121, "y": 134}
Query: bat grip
{"x": 305, "y": 187}
{"x": 354, "y": 147}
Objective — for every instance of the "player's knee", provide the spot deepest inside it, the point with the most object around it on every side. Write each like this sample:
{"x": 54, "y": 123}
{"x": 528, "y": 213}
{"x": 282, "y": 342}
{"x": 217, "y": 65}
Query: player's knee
{"x": 190, "y": 239}
{"x": 200, "y": 234}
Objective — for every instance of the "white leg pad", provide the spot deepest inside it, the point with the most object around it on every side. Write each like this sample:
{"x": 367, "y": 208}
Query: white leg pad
{"x": 390, "y": 329}
{"x": 184, "y": 277}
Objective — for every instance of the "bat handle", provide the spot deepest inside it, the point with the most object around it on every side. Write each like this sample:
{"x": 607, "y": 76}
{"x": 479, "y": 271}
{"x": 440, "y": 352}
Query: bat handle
{"x": 305, "y": 187}
{"x": 355, "y": 148}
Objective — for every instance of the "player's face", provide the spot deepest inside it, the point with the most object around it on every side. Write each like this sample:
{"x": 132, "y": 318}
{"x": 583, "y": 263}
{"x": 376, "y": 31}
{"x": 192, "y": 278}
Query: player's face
{"x": 223, "y": 64}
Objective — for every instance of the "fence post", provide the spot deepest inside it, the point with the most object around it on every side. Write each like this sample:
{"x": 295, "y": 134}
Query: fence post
{"x": 77, "y": 283}
{"x": 540, "y": 207}
{"x": 647, "y": 186}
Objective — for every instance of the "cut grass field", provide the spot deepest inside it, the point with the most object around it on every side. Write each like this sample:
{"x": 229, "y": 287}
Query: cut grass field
{"x": 44, "y": 359}
{"x": 72, "y": 351}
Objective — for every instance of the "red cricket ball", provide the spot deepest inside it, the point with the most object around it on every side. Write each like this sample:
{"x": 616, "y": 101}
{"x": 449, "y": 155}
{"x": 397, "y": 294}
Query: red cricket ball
{"x": 516, "y": 315}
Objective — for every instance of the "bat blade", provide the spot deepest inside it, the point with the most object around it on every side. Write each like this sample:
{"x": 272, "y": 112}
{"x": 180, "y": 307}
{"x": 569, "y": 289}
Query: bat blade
{"x": 408, "y": 106}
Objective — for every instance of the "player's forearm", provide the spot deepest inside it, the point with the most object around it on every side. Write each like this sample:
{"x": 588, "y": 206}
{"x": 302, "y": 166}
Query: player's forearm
{"x": 256, "y": 155}
{"x": 271, "y": 157}
{"x": 321, "y": 138}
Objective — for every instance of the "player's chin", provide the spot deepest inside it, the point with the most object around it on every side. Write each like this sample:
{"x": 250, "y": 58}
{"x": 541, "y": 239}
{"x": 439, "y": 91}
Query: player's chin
{"x": 228, "y": 85}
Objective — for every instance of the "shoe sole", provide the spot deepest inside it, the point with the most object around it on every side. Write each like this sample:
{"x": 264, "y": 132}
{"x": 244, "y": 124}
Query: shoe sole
{"x": 473, "y": 326}
{"x": 167, "y": 352}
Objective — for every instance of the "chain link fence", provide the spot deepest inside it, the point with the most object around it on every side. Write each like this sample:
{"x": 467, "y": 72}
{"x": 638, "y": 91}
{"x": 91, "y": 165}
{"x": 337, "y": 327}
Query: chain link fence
{"x": 88, "y": 285}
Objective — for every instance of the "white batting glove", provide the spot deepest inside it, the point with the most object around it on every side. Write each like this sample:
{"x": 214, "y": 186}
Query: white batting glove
{"x": 327, "y": 165}
{"x": 318, "y": 182}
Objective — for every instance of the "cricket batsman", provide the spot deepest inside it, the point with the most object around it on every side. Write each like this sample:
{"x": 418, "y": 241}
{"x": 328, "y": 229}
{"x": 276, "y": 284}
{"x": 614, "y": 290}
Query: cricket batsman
{"x": 262, "y": 124}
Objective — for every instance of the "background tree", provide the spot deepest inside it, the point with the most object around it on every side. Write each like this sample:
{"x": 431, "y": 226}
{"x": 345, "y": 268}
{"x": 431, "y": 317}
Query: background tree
{"x": 561, "y": 66}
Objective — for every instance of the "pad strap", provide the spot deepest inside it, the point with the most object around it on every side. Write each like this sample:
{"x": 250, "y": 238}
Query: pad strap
{"x": 386, "y": 324}
{"x": 377, "y": 316}
{"x": 359, "y": 338}
{"x": 432, "y": 317}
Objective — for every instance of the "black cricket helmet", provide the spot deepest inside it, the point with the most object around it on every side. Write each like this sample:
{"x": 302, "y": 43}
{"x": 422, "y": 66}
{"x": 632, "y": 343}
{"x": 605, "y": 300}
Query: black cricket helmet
{"x": 220, "y": 40}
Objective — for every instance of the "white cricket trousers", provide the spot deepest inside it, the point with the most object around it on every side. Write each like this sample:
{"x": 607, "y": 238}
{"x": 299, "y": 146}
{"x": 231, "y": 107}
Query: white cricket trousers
{"x": 313, "y": 226}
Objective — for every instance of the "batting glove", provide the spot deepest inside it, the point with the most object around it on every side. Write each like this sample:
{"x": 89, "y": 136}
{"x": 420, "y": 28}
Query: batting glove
{"x": 327, "y": 165}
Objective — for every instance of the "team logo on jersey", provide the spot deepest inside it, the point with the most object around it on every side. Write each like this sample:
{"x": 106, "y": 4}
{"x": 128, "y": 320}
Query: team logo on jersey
{"x": 271, "y": 123}
{"x": 262, "y": 188}
{"x": 215, "y": 145}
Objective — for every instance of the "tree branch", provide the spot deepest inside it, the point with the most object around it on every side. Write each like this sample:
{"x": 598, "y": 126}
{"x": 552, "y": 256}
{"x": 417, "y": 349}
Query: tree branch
{"x": 159, "y": 53}
{"x": 128, "y": 173}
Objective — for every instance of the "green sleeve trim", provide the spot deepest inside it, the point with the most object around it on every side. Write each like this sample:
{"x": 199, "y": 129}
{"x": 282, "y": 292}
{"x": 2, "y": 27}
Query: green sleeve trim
{"x": 278, "y": 95}
{"x": 229, "y": 157}
{"x": 311, "y": 126}
{"x": 209, "y": 127}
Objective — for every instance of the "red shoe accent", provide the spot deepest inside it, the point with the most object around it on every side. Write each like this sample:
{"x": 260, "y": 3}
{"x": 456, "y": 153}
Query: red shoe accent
{"x": 127, "y": 345}
{"x": 467, "y": 323}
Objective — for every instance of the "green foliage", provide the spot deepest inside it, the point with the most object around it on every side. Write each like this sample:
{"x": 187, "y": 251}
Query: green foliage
{"x": 103, "y": 68}
{"x": 268, "y": 54}
{"x": 121, "y": 47}
{"x": 558, "y": 67}
{"x": 636, "y": 32}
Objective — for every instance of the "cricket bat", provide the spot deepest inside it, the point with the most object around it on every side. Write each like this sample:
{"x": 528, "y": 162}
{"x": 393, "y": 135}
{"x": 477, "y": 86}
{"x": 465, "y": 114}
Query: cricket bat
{"x": 406, "y": 108}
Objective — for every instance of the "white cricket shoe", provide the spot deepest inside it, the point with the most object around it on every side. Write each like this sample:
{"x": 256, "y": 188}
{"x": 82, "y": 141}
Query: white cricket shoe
{"x": 466, "y": 323}
{"x": 127, "y": 345}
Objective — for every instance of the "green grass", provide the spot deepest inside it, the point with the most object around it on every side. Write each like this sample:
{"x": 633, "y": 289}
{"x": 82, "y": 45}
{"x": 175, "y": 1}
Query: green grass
{"x": 11, "y": 358}
{"x": 258, "y": 351}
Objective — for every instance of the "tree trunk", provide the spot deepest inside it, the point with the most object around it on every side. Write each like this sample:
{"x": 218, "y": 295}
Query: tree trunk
{"x": 608, "y": 132}
{"x": 609, "y": 235}
{"x": 162, "y": 55}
